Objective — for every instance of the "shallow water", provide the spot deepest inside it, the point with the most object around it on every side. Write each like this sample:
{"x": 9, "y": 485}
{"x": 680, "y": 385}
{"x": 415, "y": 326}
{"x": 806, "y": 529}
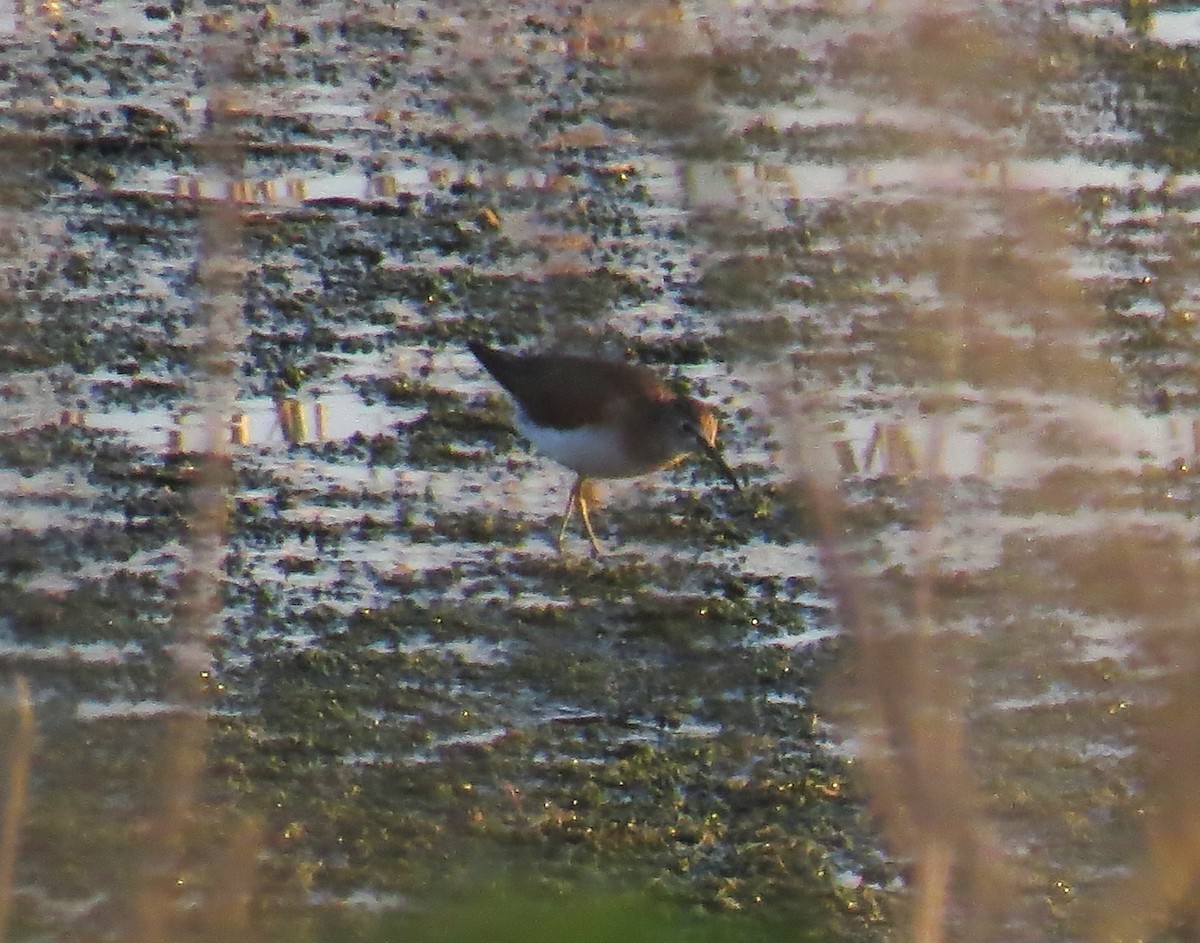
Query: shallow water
{"x": 941, "y": 263}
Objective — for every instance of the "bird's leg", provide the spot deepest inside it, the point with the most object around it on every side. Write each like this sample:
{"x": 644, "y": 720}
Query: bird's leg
{"x": 572, "y": 501}
{"x": 579, "y": 499}
{"x": 583, "y": 488}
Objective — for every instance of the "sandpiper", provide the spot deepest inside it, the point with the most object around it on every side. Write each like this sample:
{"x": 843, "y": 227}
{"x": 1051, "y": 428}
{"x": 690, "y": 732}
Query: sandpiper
{"x": 601, "y": 419}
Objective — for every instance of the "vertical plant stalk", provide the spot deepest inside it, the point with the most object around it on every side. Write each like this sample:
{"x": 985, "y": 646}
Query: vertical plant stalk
{"x": 906, "y": 697}
{"x": 164, "y": 879}
{"x": 1161, "y": 883}
{"x": 20, "y": 758}
{"x": 911, "y": 720}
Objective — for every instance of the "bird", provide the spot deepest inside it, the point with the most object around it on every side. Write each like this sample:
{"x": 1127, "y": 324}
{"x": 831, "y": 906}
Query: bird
{"x": 601, "y": 419}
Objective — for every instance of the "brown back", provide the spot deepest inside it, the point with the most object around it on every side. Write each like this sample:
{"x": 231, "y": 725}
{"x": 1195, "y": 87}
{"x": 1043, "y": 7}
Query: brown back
{"x": 562, "y": 391}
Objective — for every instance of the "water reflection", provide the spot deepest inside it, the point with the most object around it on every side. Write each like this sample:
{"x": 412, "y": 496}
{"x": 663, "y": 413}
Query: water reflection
{"x": 351, "y": 185}
{"x": 975, "y": 339}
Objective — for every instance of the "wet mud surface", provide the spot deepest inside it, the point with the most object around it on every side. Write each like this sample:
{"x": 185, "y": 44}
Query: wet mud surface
{"x": 406, "y": 687}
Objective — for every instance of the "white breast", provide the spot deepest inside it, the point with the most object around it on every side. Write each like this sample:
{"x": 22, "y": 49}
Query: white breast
{"x": 593, "y": 452}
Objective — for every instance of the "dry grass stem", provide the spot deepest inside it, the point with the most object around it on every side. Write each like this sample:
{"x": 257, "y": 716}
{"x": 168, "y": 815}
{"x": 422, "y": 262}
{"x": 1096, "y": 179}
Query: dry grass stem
{"x": 16, "y": 797}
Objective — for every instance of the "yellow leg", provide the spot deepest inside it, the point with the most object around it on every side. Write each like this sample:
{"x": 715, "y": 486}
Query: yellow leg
{"x": 569, "y": 512}
{"x": 579, "y": 499}
{"x": 587, "y": 520}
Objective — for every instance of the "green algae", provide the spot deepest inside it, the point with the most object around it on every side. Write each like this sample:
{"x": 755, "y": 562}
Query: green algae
{"x": 388, "y": 724}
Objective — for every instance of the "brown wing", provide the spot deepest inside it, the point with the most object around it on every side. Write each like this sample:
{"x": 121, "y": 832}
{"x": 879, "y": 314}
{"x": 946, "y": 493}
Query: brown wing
{"x": 563, "y": 391}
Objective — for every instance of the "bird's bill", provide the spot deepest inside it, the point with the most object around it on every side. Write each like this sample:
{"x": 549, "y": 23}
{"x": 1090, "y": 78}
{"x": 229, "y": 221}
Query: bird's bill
{"x": 715, "y": 456}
